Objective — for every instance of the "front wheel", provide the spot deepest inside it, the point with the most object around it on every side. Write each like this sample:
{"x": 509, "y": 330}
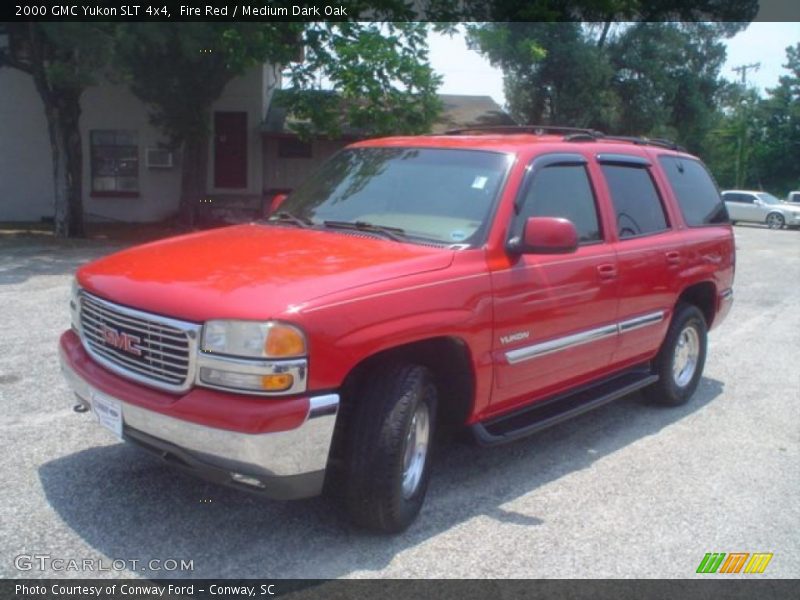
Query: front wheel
{"x": 388, "y": 451}
{"x": 775, "y": 221}
{"x": 680, "y": 361}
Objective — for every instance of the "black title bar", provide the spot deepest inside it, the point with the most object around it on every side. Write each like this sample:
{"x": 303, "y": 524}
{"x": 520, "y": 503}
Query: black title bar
{"x": 369, "y": 10}
{"x": 714, "y": 586}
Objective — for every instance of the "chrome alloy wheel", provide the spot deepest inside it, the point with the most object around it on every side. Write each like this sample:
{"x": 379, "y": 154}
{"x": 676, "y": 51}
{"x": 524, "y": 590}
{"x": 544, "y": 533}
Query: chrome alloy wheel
{"x": 775, "y": 221}
{"x": 684, "y": 360}
{"x": 416, "y": 452}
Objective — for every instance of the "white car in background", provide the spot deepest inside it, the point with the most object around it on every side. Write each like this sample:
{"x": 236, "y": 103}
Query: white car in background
{"x": 760, "y": 207}
{"x": 793, "y": 197}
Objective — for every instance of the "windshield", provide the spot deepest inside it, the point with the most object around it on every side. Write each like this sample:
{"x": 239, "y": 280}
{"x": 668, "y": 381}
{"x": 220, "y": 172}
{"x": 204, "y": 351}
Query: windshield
{"x": 768, "y": 198}
{"x": 434, "y": 194}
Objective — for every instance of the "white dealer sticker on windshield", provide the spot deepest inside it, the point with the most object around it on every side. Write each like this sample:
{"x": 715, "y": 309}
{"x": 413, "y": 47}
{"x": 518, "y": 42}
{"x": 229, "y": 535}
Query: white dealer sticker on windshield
{"x": 480, "y": 182}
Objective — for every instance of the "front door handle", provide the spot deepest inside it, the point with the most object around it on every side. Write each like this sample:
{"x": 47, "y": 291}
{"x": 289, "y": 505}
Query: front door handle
{"x": 673, "y": 258}
{"x": 607, "y": 271}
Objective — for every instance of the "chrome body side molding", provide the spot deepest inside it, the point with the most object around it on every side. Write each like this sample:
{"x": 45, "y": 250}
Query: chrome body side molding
{"x": 519, "y": 355}
{"x": 643, "y": 321}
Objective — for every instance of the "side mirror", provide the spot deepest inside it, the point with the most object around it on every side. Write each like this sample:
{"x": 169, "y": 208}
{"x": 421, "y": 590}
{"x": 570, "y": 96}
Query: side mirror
{"x": 276, "y": 202}
{"x": 545, "y": 235}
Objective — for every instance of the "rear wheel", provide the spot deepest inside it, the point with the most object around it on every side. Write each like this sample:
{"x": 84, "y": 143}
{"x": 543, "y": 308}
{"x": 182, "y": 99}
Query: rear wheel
{"x": 775, "y": 221}
{"x": 387, "y": 454}
{"x": 680, "y": 361}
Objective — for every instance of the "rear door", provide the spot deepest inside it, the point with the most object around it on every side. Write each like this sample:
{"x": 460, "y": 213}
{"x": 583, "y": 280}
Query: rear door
{"x": 554, "y": 314}
{"x": 649, "y": 254}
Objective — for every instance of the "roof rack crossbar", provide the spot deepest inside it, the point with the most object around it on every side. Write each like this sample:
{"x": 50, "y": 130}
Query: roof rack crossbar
{"x": 534, "y": 129}
{"x": 571, "y": 134}
{"x": 645, "y": 141}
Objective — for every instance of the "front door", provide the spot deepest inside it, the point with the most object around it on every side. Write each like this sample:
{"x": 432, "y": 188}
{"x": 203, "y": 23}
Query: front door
{"x": 230, "y": 150}
{"x": 554, "y": 314}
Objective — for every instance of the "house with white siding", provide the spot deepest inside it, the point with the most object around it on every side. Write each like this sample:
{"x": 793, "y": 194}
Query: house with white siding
{"x": 129, "y": 175}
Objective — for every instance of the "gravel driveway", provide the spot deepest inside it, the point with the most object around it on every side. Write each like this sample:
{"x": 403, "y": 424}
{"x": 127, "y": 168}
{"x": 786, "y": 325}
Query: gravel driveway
{"x": 630, "y": 490}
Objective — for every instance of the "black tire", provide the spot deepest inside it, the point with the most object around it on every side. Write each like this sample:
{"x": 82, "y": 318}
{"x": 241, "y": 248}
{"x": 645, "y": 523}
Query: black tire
{"x": 372, "y": 486}
{"x": 775, "y": 220}
{"x": 673, "y": 389}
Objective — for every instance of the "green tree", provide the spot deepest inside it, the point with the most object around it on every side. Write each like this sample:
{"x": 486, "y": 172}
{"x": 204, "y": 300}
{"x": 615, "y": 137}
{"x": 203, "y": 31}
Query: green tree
{"x": 63, "y": 59}
{"x": 667, "y": 78}
{"x": 776, "y": 152}
{"x": 553, "y": 74}
{"x": 379, "y": 73}
{"x": 728, "y": 142}
{"x": 651, "y": 78}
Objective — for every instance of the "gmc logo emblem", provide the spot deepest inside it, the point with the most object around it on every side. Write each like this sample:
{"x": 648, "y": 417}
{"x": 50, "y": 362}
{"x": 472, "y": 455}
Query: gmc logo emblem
{"x": 122, "y": 341}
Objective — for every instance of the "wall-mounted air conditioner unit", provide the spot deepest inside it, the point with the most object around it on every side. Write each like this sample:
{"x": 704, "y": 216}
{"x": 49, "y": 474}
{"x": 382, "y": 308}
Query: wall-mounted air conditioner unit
{"x": 158, "y": 158}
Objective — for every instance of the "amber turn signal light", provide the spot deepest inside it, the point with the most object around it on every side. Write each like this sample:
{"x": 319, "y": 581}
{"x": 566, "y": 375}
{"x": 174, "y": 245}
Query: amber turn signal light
{"x": 284, "y": 341}
{"x": 277, "y": 382}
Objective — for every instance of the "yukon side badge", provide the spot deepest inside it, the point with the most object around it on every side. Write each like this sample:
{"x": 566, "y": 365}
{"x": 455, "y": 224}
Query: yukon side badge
{"x": 515, "y": 337}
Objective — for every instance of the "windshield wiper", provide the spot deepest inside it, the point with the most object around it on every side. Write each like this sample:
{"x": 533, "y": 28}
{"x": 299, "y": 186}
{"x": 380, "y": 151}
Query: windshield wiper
{"x": 285, "y": 217}
{"x": 393, "y": 233}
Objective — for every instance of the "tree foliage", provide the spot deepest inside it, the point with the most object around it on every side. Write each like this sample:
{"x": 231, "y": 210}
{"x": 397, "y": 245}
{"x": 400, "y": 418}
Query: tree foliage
{"x": 379, "y": 73}
{"x": 776, "y": 154}
{"x": 63, "y": 59}
{"x": 648, "y": 78}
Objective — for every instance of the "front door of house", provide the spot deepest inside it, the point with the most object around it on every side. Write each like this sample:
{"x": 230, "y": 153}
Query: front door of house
{"x": 230, "y": 149}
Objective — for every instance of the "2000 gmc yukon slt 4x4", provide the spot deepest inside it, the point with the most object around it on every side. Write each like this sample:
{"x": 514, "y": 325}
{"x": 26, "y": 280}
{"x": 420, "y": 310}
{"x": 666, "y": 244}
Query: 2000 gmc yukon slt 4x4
{"x": 498, "y": 280}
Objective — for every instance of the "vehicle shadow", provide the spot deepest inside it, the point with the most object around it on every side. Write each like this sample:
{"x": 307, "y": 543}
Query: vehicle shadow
{"x": 129, "y": 505}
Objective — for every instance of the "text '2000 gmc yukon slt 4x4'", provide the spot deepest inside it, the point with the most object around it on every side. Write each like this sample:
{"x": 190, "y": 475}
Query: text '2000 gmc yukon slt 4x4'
{"x": 498, "y": 281}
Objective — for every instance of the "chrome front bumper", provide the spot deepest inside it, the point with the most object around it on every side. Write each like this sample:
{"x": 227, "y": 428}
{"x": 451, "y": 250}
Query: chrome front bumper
{"x": 282, "y": 465}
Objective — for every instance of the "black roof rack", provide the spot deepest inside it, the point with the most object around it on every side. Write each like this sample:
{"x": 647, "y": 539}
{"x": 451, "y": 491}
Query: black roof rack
{"x": 645, "y": 141}
{"x": 571, "y": 134}
{"x": 534, "y": 129}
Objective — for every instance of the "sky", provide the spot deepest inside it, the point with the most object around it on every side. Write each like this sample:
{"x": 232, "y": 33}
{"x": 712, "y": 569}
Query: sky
{"x": 466, "y": 72}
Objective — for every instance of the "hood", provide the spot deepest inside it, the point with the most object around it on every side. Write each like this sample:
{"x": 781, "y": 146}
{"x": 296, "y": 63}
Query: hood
{"x": 788, "y": 207}
{"x": 251, "y": 271}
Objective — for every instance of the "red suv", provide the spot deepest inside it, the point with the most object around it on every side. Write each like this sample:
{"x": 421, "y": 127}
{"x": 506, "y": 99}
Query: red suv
{"x": 498, "y": 280}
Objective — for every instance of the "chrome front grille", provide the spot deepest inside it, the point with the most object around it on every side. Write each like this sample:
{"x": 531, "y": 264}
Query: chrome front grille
{"x": 148, "y": 348}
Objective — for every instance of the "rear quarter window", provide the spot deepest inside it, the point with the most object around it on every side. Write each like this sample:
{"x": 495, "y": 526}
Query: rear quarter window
{"x": 695, "y": 190}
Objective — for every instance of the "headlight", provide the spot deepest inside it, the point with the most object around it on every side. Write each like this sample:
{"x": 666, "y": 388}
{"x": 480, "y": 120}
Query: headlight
{"x": 253, "y": 339}
{"x": 253, "y": 356}
{"x": 74, "y": 306}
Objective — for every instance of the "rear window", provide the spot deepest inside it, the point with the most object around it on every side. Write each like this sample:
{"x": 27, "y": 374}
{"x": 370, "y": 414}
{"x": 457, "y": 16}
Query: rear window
{"x": 696, "y": 192}
{"x": 636, "y": 201}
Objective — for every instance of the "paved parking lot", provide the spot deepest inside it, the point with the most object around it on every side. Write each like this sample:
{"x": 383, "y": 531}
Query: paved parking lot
{"x": 630, "y": 490}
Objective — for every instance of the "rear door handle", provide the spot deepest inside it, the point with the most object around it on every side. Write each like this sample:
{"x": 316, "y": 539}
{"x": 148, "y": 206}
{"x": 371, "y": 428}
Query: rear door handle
{"x": 673, "y": 258}
{"x": 607, "y": 271}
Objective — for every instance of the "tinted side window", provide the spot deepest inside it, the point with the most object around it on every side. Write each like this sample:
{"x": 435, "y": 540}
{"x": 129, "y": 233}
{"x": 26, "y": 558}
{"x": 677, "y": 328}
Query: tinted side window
{"x": 741, "y": 198}
{"x": 636, "y": 202}
{"x": 563, "y": 191}
{"x": 696, "y": 192}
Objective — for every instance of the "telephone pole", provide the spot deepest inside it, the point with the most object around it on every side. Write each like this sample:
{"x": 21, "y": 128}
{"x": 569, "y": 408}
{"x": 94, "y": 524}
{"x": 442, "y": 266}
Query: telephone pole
{"x": 740, "y": 142}
{"x": 743, "y": 69}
